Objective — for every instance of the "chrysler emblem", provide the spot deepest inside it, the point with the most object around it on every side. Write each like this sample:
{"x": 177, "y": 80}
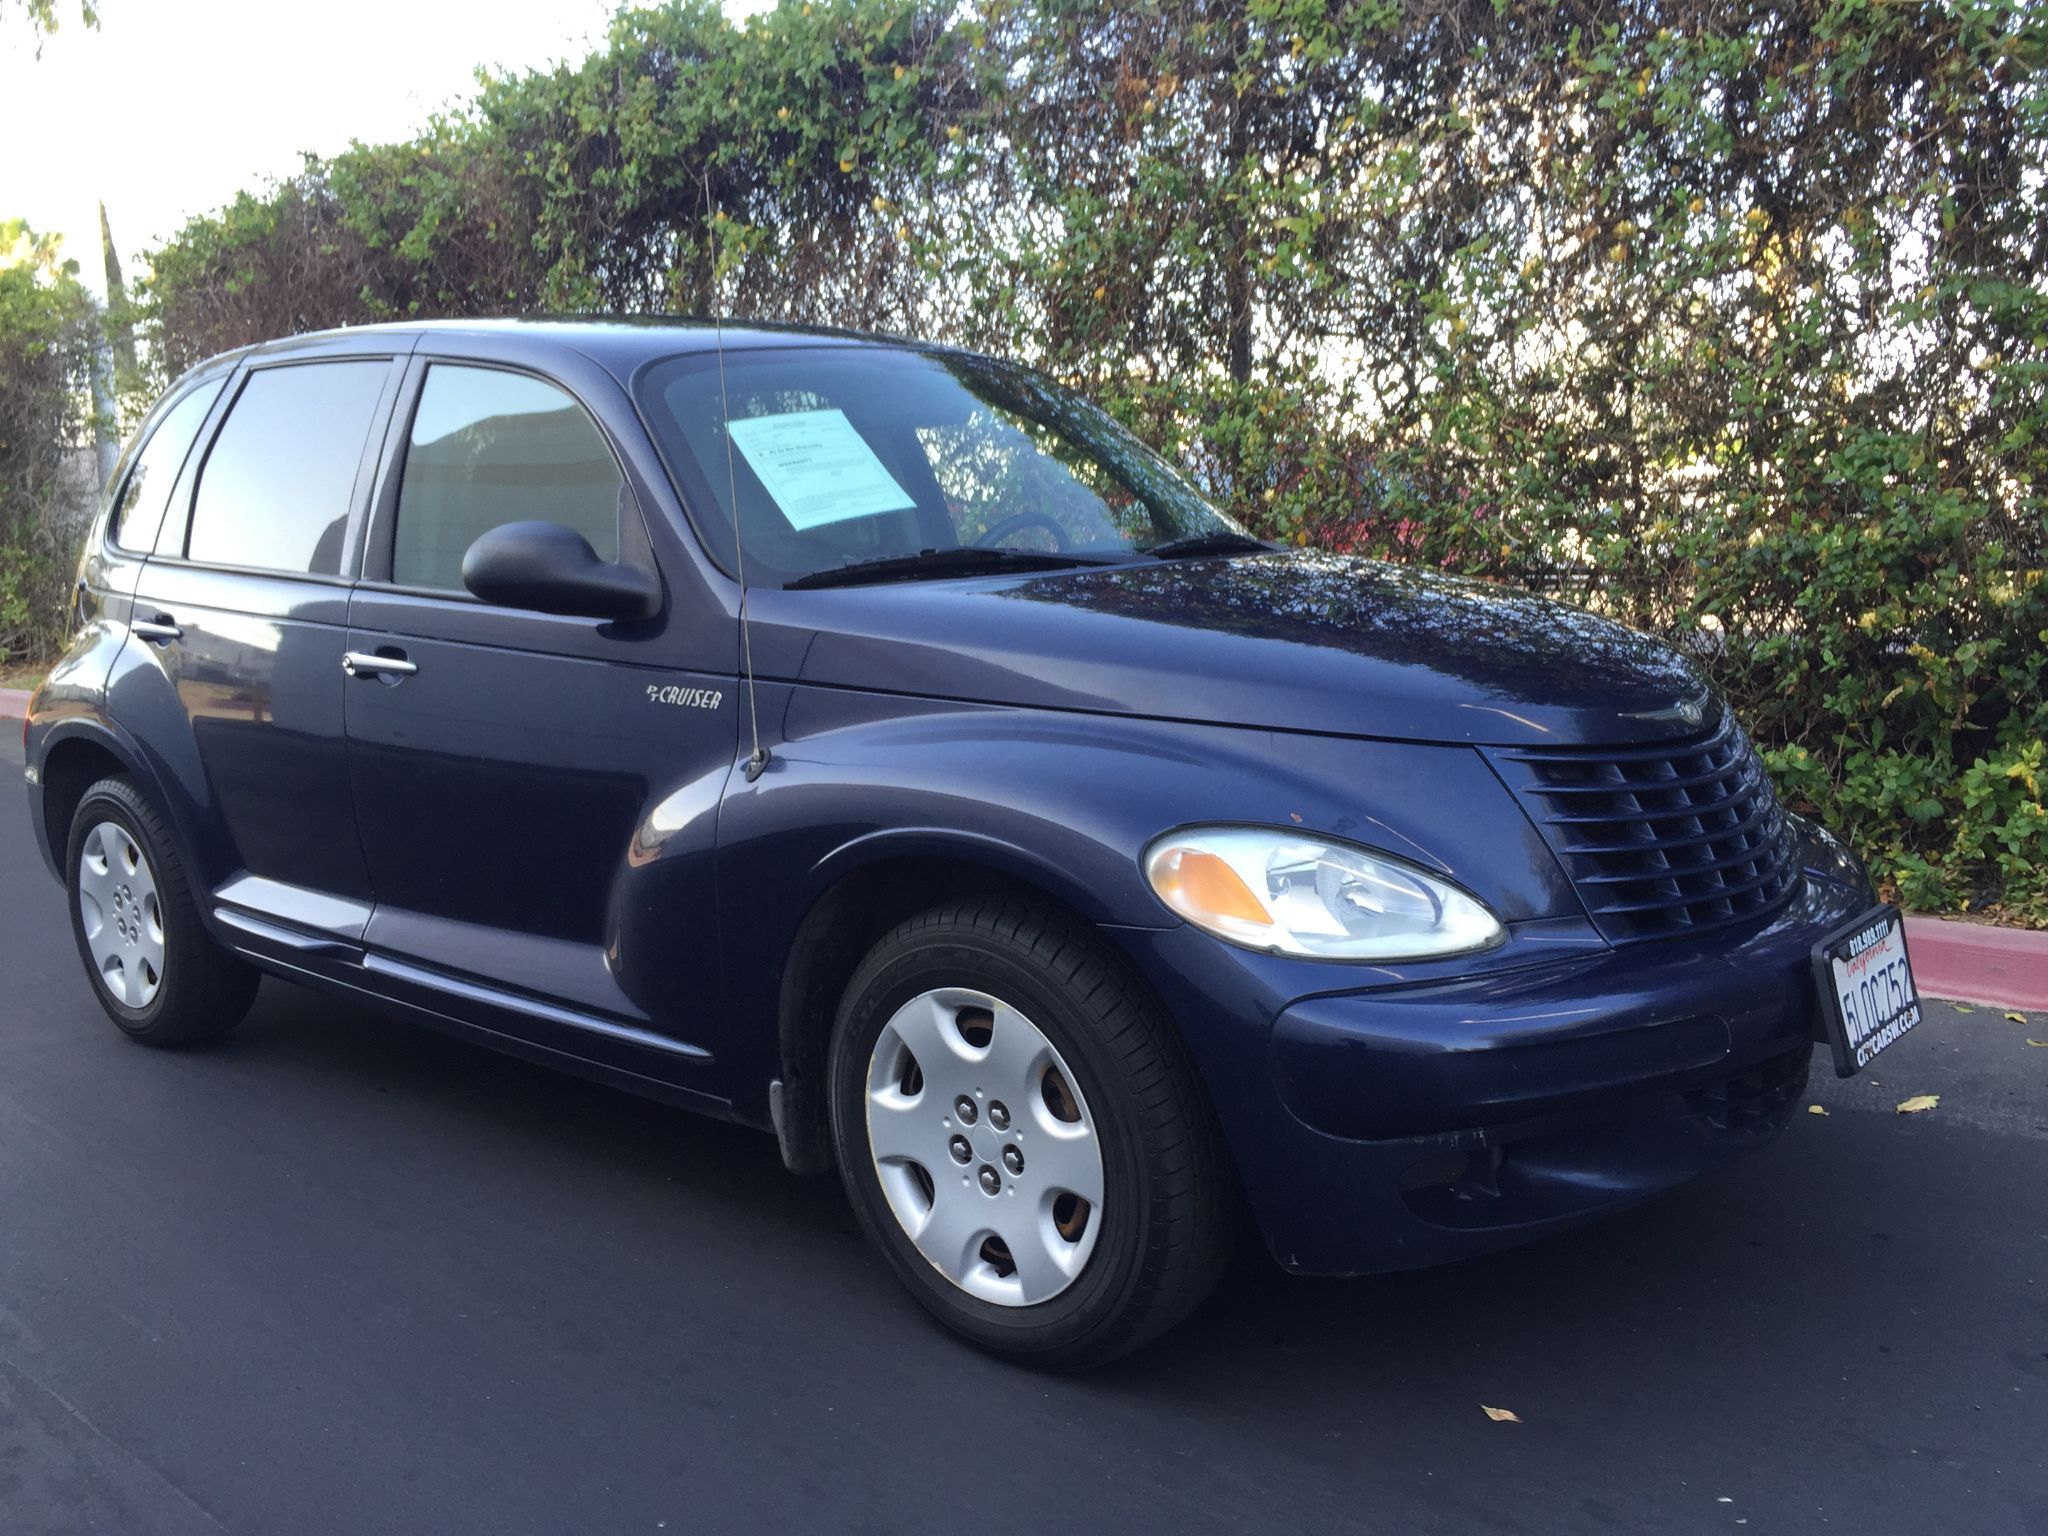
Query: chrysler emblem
{"x": 1689, "y": 712}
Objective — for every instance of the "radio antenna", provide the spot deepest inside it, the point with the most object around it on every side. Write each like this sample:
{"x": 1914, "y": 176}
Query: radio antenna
{"x": 757, "y": 760}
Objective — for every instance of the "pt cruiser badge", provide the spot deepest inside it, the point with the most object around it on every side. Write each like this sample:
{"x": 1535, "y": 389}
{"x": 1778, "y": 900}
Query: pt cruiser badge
{"x": 686, "y": 698}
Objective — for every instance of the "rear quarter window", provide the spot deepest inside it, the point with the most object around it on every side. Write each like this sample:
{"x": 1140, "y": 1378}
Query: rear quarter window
{"x": 145, "y": 493}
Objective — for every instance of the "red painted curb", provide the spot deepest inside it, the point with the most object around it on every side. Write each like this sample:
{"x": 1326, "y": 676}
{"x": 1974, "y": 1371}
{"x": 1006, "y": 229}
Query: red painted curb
{"x": 1976, "y": 963}
{"x": 13, "y": 703}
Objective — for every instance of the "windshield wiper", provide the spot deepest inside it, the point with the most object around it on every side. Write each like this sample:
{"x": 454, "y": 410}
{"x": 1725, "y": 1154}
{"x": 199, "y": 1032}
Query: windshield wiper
{"x": 966, "y": 560}
{"x": 1217, "y": 541}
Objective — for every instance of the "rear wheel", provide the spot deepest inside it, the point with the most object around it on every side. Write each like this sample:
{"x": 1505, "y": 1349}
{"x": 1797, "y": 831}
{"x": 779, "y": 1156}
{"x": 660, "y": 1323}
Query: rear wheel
{"x": 152, "y": 965}
{"x": 1023, "y": 1136}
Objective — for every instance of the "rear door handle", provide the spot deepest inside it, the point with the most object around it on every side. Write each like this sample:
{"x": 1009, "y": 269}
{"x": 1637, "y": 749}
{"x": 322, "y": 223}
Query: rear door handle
{"x": 159, "y": 629}
{"x": 368, "y": 664}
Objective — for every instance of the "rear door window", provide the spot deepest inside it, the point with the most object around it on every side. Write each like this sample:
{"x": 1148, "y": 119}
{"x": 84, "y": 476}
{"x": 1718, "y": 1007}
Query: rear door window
{"x": 488, "y": 448}
{"x": 276, "y": 489}
{"x": 141, "y": 507}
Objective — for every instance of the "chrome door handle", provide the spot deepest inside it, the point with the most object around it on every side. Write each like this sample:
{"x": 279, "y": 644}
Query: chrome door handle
{"x": 154, "y": 629}
{"x": 366, "y": 664}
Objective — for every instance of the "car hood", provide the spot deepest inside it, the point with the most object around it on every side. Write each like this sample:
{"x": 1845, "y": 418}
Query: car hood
{"x": 1287, "y": 641}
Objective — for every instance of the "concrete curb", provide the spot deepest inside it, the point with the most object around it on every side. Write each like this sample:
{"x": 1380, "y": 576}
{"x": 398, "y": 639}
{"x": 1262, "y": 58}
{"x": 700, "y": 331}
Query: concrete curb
{"x": 1976, "y": 963}
{"x": 13, "y": 703}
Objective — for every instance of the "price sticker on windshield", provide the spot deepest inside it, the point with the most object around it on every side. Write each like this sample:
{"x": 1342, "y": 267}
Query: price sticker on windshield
{"x": 817, "y": 467}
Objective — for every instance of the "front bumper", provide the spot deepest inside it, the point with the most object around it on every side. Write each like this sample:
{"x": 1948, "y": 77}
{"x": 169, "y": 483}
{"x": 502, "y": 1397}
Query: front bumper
{"x": 1412, "y": 1123}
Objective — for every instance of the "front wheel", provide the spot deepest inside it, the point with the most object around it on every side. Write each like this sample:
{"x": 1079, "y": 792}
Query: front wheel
{"x": 1023, "y": 1136}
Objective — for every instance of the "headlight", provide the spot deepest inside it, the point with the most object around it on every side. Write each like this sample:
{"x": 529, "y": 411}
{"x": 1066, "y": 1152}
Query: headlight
{"x": 1273, "y": 890}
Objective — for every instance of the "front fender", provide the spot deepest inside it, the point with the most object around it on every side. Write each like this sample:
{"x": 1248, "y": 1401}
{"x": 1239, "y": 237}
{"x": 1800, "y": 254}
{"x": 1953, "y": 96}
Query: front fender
{"x": 1003, "y": 851}
{"x": 1065, "y": 803}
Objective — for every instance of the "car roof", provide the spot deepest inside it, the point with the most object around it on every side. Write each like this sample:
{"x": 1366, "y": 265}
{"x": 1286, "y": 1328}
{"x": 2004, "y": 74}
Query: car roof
{"x": 620, "y": 343}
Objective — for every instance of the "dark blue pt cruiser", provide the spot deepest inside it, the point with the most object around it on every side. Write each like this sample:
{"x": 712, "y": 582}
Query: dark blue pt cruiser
{"x": 875, "y": 744}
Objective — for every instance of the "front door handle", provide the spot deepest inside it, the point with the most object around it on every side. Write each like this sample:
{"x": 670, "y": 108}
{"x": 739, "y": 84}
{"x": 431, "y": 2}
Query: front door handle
{"x": 159, "y": 629}
{"x": 369, "y": 664}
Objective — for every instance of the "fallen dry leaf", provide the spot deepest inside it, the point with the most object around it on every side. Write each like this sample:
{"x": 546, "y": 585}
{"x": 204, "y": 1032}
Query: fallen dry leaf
{"x": 1918, "y": 1102}
{"x": 1501, "y": 1415}
{"x": 1815, "y": 1109}
{"x": 2042, "y": 1043}
{"x": 2017, "y": 1018}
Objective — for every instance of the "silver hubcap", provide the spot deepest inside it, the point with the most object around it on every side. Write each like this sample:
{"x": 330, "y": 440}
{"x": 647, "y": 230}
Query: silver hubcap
{"x": 985, "y": 1148}
{"x": 122, "y": 918}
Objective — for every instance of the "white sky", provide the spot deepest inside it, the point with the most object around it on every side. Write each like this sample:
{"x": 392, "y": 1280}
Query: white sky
{"x": 170, "y": 109}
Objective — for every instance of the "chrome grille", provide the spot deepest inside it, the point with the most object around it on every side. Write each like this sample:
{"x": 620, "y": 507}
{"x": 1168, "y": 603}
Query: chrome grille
{"x": 1663, "y": 839}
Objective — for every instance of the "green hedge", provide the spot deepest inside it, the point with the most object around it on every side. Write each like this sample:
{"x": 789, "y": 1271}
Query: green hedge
{"x": 48, "y": 329}
{"x": 1726, "y": 319}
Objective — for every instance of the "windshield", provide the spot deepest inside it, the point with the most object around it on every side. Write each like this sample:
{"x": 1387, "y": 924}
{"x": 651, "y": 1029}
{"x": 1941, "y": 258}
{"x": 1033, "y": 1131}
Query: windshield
{"x": 846, "y": 455}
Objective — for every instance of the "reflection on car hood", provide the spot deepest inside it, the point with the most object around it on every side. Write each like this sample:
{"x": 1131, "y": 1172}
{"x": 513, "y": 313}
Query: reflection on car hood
{"x": 1292, "y": 641}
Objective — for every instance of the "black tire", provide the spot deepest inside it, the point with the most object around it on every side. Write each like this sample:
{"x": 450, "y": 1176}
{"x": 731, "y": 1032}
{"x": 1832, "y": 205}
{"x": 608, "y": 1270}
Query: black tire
{"x": 204, "y": 991}
{"x": 1170, "y": 1199}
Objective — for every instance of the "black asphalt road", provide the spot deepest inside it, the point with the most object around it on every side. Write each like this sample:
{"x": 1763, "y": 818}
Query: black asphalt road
{"x": 339, "y": 1275}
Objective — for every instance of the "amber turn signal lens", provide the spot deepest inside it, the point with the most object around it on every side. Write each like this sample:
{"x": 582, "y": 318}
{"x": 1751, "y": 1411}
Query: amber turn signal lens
{"x": 1202, "y": 886}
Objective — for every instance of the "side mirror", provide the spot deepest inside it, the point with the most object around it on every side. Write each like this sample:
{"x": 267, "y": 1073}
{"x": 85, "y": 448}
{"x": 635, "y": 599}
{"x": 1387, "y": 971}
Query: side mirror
{"x": 553, "y": 569}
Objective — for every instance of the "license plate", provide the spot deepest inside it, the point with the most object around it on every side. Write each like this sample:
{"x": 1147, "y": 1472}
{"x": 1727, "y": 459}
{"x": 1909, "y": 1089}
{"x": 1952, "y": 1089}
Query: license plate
{"x": 1867, "y": 996}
